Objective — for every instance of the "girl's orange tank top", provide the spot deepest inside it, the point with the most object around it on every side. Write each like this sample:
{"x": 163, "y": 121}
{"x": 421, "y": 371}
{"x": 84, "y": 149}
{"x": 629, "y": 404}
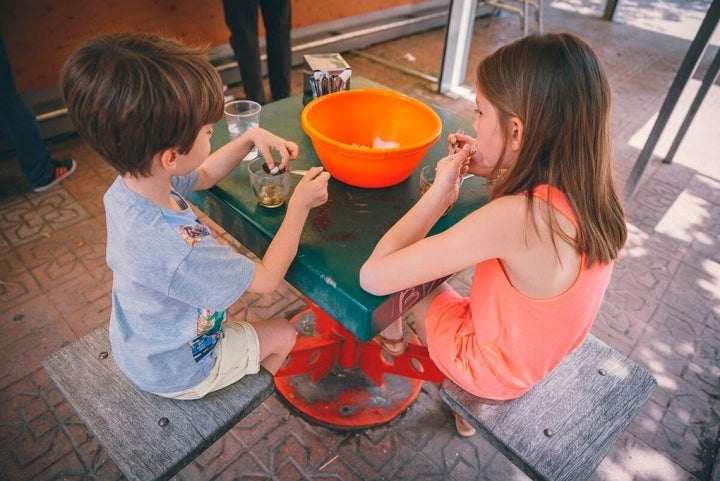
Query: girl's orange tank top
{"x": 514, "y": 340}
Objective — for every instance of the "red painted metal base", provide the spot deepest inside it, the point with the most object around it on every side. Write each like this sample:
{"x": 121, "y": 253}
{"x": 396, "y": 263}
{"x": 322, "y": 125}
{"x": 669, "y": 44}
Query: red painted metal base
{"x": 335, "y": 380}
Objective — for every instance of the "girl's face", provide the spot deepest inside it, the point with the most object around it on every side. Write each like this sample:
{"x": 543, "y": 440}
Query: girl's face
{"x": 488, "y": 132}
{"x": 199, "y": 150}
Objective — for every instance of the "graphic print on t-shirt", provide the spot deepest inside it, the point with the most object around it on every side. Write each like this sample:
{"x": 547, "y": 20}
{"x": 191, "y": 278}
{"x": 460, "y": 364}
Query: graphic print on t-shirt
{"x": 193, "y": 233}
{"x": 209, "y": 326}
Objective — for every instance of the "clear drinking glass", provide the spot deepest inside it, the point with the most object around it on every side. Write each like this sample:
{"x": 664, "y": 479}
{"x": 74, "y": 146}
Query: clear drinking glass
{"x": 272, "y": 190}
{"x": 241, "y": 116}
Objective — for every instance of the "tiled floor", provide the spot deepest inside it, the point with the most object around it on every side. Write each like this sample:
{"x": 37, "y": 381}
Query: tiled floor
{"x": 662, "y": 308}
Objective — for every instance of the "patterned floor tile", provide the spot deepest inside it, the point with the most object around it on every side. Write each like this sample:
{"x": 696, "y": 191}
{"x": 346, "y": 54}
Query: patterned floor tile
{"x": 692, "y": 291}
{"x": 29, "y": 218}
{"x": 662, "y": 307}
{"x": 31, "y": 332}
{"x": 42, "y": 438}
{"x": 17, "y": 284}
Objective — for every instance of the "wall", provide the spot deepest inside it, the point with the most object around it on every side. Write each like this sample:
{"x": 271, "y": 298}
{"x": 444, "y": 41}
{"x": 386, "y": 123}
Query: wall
{"x": 40, "y": 34}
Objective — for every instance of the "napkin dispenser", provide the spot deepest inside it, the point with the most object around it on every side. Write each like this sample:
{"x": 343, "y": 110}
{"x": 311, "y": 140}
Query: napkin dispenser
{"x": 324, "y": 73}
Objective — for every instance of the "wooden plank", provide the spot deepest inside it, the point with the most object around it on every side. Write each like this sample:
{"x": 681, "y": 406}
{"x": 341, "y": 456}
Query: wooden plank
{"x": 563, "y": 427}
{"x": 127, "y": 421}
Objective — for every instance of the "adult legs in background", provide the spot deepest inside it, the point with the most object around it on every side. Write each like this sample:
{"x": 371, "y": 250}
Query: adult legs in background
{"x": 241, "y": 17}
{"x": 277, "y": 18}
{"x": 19, "y": 126}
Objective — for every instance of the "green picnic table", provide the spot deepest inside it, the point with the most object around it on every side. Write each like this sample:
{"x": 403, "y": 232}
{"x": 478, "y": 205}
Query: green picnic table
{"x": 337, "y": 238}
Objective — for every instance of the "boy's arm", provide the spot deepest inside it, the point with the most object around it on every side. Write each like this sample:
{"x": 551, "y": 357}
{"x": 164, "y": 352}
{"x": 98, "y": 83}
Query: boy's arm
{"x": 271, "y": 270}
{"x": 310, "y": 192}
{"x": 221, "y": 162}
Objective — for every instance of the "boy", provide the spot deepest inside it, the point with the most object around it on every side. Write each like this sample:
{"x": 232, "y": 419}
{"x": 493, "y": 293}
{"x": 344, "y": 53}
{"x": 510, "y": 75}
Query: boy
{"x": 147, "y": 106}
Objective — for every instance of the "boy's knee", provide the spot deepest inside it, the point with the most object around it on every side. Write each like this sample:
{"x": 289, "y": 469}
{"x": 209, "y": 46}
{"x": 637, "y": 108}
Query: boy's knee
{"x": 291, "y": 335}
{"x": 287, "y": 334}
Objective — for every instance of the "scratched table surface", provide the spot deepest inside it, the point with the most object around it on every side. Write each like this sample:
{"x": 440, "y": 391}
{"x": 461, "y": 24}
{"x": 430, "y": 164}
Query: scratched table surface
{"x": 340, "y": 235}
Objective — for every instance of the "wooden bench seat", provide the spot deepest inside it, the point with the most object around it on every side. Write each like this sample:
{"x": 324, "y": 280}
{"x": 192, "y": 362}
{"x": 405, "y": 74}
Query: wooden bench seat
{"x": 147, "y": 436}
{"x": 563, "y": 428}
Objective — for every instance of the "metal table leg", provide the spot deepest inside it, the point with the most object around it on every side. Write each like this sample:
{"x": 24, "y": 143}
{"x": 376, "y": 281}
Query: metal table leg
{"x": 687, "y": 67}
{"x": 333, "y": 379}
{"x": 610, "y": 8}
{"x": 695, "y": 106}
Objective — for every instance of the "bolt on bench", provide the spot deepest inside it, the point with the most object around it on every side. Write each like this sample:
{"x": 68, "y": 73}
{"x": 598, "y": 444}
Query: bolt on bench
{"x": 147, "y": 436}
{"x": 562, "y": 428}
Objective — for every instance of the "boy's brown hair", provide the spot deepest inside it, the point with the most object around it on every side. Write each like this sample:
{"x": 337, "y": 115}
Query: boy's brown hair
{"x": 133, "y": 95}
{"x": 555, "y": 85}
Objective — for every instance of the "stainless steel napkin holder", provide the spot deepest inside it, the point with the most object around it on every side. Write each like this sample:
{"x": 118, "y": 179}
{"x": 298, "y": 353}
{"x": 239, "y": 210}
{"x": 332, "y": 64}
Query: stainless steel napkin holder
{"x": 324, "y": 73}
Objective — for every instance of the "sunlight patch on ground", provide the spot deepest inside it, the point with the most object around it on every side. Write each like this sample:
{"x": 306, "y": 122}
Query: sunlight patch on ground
{"x": 698, "y": 149}
{"x": 635, "y": 244}
{"x": 639, "y": 462}
{"x": 593, "y": 8}
{"x": 649, "y": 464}
{"x": 712, "y": 283}
{"x": 685, "y": 218}
{"x": 677, "y": 18}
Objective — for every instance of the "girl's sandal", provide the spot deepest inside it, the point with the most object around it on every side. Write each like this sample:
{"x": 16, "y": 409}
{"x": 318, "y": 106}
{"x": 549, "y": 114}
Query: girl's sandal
{"x": 462, "y": 427}
{"x": 394, "y": 347}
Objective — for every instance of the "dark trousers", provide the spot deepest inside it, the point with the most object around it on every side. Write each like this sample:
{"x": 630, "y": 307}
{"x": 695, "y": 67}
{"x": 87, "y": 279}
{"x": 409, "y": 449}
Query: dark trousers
{"x": 241, "y": 17}
{"x": 19, "y": 127}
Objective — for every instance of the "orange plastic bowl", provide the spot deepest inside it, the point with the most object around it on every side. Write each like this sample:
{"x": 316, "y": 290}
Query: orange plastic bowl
{"x": 370, "y": 137}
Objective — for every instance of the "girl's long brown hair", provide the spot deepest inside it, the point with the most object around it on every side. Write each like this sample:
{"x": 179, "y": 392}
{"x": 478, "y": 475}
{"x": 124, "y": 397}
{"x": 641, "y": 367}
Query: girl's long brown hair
{"x": 556, "y": 86}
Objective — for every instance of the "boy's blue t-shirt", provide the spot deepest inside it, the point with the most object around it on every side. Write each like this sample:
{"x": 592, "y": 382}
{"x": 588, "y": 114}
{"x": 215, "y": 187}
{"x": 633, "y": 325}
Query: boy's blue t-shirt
{"x": 172, "y": 285}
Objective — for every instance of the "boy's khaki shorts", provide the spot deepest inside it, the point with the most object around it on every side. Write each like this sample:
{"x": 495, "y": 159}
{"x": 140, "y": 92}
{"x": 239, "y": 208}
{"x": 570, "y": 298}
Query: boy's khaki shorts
{"x": 238, "y": 354}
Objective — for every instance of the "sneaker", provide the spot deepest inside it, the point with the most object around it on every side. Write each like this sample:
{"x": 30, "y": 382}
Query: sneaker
{"x": 61, "y": 170}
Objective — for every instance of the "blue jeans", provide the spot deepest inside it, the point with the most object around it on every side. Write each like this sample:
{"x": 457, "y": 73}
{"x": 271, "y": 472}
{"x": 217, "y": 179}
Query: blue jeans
{"x": 19, "y": 127}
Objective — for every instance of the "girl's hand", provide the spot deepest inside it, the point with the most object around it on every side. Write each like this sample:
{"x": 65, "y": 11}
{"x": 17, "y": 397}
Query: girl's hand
{"x": 268, "y": 142}
{"x": 459, "y": 140}
{"x": 311, "y": 191}
{"x": 476, "y": 162}
{"x": 449, "y": 173}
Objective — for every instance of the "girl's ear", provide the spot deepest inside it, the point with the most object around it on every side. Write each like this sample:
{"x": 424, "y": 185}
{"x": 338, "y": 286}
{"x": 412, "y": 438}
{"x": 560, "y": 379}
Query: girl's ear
{"x": 168, "y": 159}
{"x": 517, "y": 130}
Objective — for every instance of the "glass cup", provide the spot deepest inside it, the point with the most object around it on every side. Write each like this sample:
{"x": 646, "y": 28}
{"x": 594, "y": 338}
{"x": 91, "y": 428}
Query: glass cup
{"x": 272, "y": 190}
{"x": 241, "y": 116}
{"x": 427, "y": 177}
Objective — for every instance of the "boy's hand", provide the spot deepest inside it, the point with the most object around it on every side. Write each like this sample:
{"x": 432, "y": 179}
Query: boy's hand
{"x": 267, "y": 142}
{"x": 311, "y": 191}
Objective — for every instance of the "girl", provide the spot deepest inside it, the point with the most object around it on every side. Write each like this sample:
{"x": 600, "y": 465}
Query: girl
{"x": 542, "y": 248}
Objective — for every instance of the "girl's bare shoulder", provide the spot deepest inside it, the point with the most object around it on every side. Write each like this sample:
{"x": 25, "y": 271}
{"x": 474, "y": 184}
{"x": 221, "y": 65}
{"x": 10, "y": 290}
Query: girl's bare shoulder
{"x": 495, "y": 229}
{"x": 509, "y": 209}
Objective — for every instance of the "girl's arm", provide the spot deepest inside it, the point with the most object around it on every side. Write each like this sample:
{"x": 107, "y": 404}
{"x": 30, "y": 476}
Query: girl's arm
{"x": 404, "y": 257}
{"x": 398, "y": 263}
{"x": 221, "y": 162}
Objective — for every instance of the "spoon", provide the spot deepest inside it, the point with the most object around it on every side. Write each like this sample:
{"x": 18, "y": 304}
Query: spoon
{"x": 277, "y": 171}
